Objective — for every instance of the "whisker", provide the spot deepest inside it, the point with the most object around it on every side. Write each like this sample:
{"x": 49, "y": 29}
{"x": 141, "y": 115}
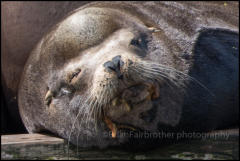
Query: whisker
{"x": 159, "y": 75}
{"x": 160, "y": 66}
{"x": 79, "y": 112}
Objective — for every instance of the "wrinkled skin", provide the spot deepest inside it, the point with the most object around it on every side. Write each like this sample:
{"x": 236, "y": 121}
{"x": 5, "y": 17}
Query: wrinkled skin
{"x": 148, "y": 66}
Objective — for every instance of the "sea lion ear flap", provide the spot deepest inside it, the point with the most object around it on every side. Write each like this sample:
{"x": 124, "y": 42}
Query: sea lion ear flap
{"x": 153, "y": 29}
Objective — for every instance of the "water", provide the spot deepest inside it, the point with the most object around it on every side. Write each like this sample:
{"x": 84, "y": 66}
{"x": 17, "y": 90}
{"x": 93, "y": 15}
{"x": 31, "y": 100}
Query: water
{"x": 205, "y": 149}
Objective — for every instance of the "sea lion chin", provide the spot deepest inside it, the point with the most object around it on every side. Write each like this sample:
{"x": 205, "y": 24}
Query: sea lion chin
{"x": 103, "y": 69}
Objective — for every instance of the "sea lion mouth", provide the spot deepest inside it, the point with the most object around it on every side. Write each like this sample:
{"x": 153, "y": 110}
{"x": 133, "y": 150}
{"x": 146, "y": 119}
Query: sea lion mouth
{"x": 114, "y": 127}
{"x": 140, "y": 92}
{"x": 135, "y": 94}
{"x": 130, "y": 98}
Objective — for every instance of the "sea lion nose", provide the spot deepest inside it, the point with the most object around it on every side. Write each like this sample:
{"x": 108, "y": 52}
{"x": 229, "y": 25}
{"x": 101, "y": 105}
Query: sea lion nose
{"x": 115, "y": 66}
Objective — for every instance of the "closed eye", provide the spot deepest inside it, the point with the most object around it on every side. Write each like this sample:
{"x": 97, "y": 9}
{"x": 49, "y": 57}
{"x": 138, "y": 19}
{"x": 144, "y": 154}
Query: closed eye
{"x": 74, "y": 75}
{"x": 136, "y": 42}
{"x": 139, "y": 44}
{"x": 140, "y": 41}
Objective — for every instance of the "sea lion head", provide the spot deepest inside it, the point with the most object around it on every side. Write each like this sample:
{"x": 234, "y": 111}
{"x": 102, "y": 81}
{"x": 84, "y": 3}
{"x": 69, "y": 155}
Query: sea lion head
{"x": 100, "y": 70}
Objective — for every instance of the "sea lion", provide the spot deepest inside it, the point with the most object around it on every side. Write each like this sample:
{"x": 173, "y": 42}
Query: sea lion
{"x": 136, "y": 66}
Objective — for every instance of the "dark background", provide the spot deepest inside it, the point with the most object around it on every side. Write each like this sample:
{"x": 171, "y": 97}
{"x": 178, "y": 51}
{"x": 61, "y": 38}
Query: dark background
{"x": 23, "y": 24}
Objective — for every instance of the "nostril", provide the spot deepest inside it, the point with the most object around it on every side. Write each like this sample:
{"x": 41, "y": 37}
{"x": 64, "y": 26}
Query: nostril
{"x": 115, "y": 65}
{"x": 109, "y": 66}
{"x": 120, "y": 76}
{"x": 117, "y": 61}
